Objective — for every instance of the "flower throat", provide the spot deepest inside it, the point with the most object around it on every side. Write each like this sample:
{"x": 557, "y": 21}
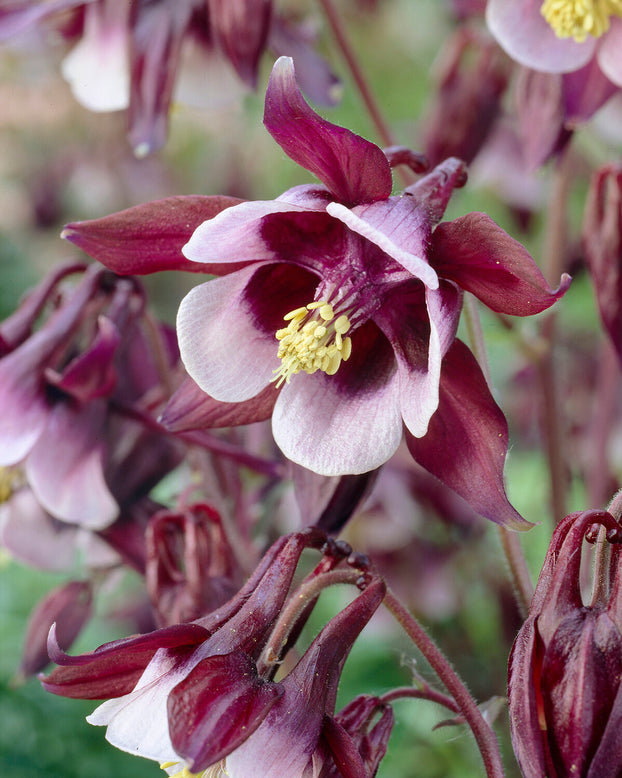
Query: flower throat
{"x": 579, "y": 18}
{"x": 313, "y": 340}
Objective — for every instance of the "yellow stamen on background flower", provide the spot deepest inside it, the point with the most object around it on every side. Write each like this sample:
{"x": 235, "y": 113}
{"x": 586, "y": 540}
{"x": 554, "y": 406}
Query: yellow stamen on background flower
{"x": 579, "y": 18}
{"x": 11, "y": 478}
{"x": 313, "y": 340}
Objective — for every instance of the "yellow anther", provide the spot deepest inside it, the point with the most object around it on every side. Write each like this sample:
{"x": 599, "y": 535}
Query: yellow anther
{"x": 313, "y": 340}
{"x": 326, "y": 312}
{"x": 11, "y": 478}
{"x": 579, "y": 18}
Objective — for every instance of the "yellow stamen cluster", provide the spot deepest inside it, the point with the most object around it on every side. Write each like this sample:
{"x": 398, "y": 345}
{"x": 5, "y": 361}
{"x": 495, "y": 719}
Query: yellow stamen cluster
{"x": 579, "y": 18}
{"x": 313, "y": 340}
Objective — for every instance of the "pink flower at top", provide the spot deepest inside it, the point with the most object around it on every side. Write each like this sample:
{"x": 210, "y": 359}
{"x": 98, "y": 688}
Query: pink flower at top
{"x": 560, "y": 36}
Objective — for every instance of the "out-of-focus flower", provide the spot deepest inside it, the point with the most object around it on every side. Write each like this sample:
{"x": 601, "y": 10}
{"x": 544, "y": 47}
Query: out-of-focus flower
{"x": 191, "y": 569}
{"x": 127, "y": 55}
{"x": 602, "y": 242}
{"x": 338, "y": 305}
{"x": 565, "y": 695}
{"x": 69, "y": 607}
{"x": 560, "y": 36}
{"x": 66, "y": 390}
{"x": 471, "y": 77}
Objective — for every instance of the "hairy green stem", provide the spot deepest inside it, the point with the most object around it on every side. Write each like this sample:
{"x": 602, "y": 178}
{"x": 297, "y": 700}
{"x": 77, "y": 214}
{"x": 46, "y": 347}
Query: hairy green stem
{"x": 484, "y": 735}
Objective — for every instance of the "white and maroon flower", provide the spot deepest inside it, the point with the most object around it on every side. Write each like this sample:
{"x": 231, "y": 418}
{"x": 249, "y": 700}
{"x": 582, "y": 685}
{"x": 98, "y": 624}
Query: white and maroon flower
{"x": 345, "y": 313}
{"x": 337, "y": 307}
{"x": 560, "y": 36}
{"x": 193, "y": 695}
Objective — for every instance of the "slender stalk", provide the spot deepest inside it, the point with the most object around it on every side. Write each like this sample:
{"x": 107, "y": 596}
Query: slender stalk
{"x": 309, "y": 590}
{"x": 598, "y": 473}
{"x": 510, "y": 541}
{"x": 357, "y": 74}
{"x": 427, "y": 693}
{"x": 553, "y": 265}
{"x": 484, "y": 735}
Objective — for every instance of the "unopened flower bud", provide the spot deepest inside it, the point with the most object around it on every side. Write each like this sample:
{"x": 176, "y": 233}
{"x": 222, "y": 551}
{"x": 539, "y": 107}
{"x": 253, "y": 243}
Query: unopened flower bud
{"x": 566, "y": 664}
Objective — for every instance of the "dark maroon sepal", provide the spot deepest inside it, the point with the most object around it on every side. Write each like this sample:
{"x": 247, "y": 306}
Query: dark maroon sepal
{"x": 149, "y": 238}
{"x": 467, "y": 440}
{"x": 114, "y": 668}
{"x": 217, "y": 706}
{"x": 354, "y": 169}
{"x": 482, "y": 258}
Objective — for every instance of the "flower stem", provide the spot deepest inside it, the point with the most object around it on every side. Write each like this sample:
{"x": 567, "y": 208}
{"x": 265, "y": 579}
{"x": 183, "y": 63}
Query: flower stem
{"x": 427, "y": 693}
{"x": 510, "y": 541}
{"x": 484, "y": 735}
{"x": 300, "y": 600}
{"x": 357, "y": 74}
{"x": 553, "y": 262}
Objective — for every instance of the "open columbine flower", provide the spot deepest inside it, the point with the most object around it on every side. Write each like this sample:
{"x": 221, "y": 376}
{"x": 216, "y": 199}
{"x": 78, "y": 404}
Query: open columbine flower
{"x": 337, "y": 306}
{"x": 348, "y": 303}
{"x": 560, "y": 36}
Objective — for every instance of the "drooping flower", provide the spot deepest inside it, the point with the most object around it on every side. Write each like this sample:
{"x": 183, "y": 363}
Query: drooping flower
{"x": 338, "y": 307}
{"x": 191, "y": 695}
{"x": 602, "y": 242}
{"x": 218, "y": 652}
{"x": 560, "y": 36}
{"x": 59, "y": 434}
{"x": 565, "y": 695}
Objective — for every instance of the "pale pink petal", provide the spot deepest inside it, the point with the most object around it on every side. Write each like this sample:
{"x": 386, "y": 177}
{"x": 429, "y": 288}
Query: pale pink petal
{"x": 609, "y": 52}
{"x": 527, "y": 37}
{"x": 65, "y": 467}
{"x": 355, "y": 220}
{"x": 349, "y": 422}
{"x": 235, "y": 233}
{"x": 97, "y": 69}
{"x": 419, "y": 348}
{"x": 138, "y": 721}
{"x": 33, "y": 536}
{"x": 24, "y": 411}
{"x": 221, "y": 346}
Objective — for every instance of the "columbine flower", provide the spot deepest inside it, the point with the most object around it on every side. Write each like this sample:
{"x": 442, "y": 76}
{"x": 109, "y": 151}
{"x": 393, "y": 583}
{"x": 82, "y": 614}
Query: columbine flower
{"x": 216, "y": 654}
{"x": 128, "y": 53}
{"x": 560, "y": 36}
{"x": 337, "y": 308}
{"x": 565, "y": 696}
{"x": 194, "y": 694}
{"x": 61, "y": 387}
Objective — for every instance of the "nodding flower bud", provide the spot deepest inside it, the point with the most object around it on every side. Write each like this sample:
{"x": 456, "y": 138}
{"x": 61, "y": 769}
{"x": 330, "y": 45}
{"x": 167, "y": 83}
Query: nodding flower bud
{"x": 565, "y": 696}
{"x": 602, "y": 244}
{"x": 472, "y": 77}
{"x": 191, "y": 569}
